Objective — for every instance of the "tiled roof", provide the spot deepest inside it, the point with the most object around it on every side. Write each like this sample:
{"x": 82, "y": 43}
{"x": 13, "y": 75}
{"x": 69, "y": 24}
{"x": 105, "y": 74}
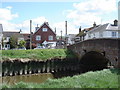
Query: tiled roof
{"x": 9, "y": 34}
{"x": 112, "y": 27}
{"x": 100, "y": 27}
{"x": 26, "y": 36}
{"x": 80, "y": 34}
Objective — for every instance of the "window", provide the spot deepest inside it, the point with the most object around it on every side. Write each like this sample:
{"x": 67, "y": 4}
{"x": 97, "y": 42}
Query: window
{"x": 113, "y": 34}
{"x": 89, "y": 36}
{"x": 44, "y": 29}
{"x": 8, "y": 38}
{"x": 100, "y": 34}
{"x": 50, "y": 38}
{"x": 38, "y": 37}
{"x": 38, "y": 44}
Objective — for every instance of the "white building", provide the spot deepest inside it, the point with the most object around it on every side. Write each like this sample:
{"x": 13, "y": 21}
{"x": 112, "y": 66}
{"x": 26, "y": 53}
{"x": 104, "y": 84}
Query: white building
{"x": 103, "y": 31}
{"x": 6, "y": 38}
{"x": 70, "y": 39}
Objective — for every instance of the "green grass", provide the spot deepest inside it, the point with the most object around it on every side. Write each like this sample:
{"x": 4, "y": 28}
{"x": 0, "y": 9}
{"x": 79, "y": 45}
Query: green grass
{"x": 107, "y": 78}
{"x": 42, "y": 54}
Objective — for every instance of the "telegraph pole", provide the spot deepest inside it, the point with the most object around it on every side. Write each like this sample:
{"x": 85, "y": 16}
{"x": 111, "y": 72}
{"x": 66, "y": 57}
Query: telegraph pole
{"x": 66, "y": 32}
{"x": 30, "y": 34}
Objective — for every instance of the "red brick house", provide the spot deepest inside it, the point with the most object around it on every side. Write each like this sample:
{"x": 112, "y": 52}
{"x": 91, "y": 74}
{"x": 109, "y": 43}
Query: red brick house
{"x": 44, "y": 36}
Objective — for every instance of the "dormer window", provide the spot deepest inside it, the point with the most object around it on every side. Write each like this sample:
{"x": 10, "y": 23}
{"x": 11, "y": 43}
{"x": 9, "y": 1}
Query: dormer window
{"x": 44, "y": 29}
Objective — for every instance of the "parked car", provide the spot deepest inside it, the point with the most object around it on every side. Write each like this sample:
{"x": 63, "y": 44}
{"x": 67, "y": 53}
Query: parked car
{"x": 40, "y": 47}
{"x": 4, "y": 48}
{"x": 22, "y": 48}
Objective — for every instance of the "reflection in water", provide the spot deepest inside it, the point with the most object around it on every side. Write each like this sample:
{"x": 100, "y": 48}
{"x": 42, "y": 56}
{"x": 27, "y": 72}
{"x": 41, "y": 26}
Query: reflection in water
{"x": 34, "y": 78}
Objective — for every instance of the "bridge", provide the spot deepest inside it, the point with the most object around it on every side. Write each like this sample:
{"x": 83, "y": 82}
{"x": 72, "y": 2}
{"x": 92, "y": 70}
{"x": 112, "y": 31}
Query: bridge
{"x": 98, "y": 53}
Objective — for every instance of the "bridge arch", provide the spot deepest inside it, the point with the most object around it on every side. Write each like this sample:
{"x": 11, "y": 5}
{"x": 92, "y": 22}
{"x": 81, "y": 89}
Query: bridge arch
{"x": 93, "y": 60}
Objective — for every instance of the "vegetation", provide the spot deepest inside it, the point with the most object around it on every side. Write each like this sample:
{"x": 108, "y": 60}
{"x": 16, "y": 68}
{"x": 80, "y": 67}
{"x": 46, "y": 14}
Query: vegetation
{"x": 40, "y": 54}
{"x": 13, "y": 41}
{"x": 22, "y": 43}
{"x": 107, "y": 78}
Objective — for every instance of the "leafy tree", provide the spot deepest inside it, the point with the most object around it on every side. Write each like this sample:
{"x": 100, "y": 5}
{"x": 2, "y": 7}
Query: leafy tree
{"x": 22, "y": 43}
{"x": 13, "y": 41}
{"x": 3, "y": 42}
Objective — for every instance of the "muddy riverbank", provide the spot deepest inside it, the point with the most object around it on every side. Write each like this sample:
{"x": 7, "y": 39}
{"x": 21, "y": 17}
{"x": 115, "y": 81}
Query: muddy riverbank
{"x": 13, "y": 67}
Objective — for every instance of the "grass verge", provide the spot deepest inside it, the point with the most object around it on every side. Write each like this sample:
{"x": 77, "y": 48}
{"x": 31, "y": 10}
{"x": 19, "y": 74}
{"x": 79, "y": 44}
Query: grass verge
{"x": 40, "y": 54}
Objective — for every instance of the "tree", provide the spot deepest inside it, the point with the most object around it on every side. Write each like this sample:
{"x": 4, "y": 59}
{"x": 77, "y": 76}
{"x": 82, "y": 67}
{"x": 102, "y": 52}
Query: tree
{"x": 13, "y": 41}
{"x": 22, "y": 43}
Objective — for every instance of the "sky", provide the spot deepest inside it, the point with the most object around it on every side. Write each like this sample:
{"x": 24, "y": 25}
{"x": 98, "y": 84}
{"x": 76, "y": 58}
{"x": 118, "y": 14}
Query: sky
{"x": 17, "y": 15}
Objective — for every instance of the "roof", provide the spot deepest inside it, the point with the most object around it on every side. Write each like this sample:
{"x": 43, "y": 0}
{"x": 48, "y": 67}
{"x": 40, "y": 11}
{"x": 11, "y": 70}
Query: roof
{"x": 26, "y": 36}
{"x": 71, "y": 35}
{"x": 45, "y": 23}
{"x": 99, "y": 27}
{"x": 80, "y": 34}
{"x": 112, "y": 27}
{"x": 9, "y": 34}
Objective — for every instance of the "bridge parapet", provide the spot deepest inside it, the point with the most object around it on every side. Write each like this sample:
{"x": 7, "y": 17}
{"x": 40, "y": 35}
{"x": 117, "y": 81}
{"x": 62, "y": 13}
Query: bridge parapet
{"x": 110, "y": 48}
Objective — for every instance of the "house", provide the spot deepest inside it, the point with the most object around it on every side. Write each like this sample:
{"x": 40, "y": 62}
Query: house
{"x": 44, "y": 35}
{"x": 6, "y": 38}
{"x": 71, "y": 39}
{"x": 81, "y": 36}
{"x": 1, "y": 30}
{"x": 103, "y": 31}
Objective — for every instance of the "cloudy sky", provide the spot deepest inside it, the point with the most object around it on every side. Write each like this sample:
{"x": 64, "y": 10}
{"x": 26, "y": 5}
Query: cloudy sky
{"x": 17, "y": 15}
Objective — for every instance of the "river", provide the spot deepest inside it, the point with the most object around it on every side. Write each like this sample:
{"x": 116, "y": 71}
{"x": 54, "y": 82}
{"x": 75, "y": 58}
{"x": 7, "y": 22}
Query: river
{"x": 31, "y": 78}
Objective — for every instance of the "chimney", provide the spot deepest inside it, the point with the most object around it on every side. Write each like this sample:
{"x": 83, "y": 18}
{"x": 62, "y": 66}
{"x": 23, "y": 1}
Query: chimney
{"x": 36, "y": 28}
{"x": 115, "y": 22}
{"x": 55, "y": 30}
{"x": 66, "y": 27}
{"x": 61, "y": 34}
{"x": 20, "y": 31}
{"x": 94, "y": 25}
{"x": 47, "y": 23}
{"x": 80, "y": 29}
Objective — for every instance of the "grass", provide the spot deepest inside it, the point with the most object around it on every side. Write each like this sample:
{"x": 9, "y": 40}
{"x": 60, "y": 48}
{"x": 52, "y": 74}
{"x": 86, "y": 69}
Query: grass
{"x": 42, "y": 54}
{"x": 107, "y": 78}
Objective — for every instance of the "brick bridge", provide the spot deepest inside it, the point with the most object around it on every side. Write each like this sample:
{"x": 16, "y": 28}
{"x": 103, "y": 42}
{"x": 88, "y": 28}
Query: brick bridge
{"x": 98, "y": 52}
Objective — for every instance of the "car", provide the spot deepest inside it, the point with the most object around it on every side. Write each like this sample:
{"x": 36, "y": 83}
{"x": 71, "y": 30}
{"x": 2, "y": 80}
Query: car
{"x": 40, "y": 47}
{"x": 22, "y": 48}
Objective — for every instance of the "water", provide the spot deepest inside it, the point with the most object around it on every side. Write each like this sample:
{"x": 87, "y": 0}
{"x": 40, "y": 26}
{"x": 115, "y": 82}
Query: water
{"x": 33, "y": 78}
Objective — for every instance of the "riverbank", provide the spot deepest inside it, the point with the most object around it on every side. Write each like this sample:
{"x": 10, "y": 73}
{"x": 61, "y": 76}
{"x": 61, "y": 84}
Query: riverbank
{"x": 107, "y": 78}
{"x": 23, "y": 62}
{"x": 39, "y": 54}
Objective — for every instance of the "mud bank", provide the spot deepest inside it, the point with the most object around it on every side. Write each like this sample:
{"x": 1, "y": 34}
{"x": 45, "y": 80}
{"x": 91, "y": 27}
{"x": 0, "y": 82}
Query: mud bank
{"x": 12, "y": 67}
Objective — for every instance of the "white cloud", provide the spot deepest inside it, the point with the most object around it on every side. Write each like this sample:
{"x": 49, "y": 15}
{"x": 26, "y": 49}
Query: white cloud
{"x": 25, "y": 25}
{"x": 88, "y": 11}
{"x": 96, "y": 5}
{"x": 9, "y": 7}
{"x": 5, "y": 14}
{"x": 84, "y": 14}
